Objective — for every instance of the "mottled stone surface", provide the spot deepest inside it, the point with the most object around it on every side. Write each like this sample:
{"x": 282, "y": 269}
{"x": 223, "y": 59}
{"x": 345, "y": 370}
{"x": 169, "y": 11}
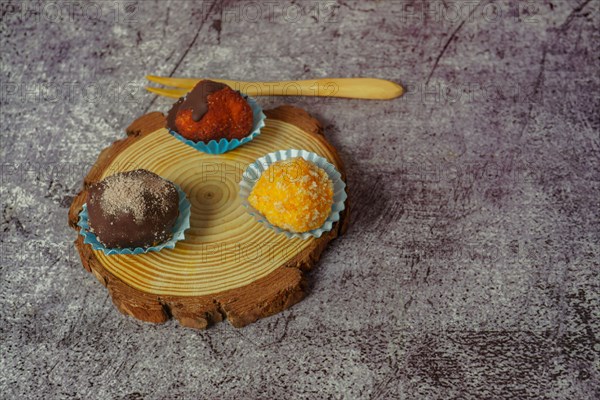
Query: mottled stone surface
{"x": 471, "y": 266}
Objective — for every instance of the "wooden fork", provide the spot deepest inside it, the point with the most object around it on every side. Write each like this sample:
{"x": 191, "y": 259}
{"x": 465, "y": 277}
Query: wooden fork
{"x": 352, "y": 88}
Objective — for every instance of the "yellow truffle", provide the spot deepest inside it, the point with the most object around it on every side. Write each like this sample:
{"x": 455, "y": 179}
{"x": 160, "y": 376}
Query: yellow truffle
{"x": 294, "y": 195}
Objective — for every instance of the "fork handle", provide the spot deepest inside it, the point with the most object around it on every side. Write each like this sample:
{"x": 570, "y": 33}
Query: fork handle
{"x": 353, "y": 88}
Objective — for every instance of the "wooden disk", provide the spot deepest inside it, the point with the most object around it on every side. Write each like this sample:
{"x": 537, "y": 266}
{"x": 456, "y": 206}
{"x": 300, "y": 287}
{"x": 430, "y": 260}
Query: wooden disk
{"x": 229, "y": 265}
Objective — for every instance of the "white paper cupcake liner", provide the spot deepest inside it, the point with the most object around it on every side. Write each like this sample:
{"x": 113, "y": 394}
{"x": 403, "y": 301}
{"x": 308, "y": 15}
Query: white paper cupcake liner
{"x": 255, "y": 170}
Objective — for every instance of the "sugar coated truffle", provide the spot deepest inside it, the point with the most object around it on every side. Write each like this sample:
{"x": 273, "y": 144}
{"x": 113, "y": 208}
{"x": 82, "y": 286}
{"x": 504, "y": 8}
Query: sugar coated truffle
{"x": 132, "y": 209}
{"x": 294, "y": 195}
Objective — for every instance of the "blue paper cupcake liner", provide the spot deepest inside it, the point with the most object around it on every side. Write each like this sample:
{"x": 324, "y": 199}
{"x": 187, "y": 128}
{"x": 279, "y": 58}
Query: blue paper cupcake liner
{"x": 181, "y": 225}
{"x": 224, "y": 145}
{"x": 255, "y": 170}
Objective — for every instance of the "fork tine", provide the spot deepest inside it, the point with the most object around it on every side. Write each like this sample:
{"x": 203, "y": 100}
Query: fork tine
{"x": 184, "y": 83}
{"x": 174, "y": 93}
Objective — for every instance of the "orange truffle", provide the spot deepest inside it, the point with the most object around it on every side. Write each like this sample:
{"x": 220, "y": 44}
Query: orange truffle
{"x": 229, "y": 116}
{"x": 294, "y": 195}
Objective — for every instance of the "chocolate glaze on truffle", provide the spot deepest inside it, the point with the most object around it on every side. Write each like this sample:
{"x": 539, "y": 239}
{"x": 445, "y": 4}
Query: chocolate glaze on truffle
{"x": 172, "y": 114}
{"x": 132, "y": 209}
{"x": 196, "y": 100}
{"x": 211, "y": 111}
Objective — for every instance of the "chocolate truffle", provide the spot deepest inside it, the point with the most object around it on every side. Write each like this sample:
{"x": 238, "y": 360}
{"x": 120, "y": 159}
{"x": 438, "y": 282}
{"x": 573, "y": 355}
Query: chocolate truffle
{"x": 132, "y": 209}
{"x": 294, "y": 195}
{"x": 211, "y": 110}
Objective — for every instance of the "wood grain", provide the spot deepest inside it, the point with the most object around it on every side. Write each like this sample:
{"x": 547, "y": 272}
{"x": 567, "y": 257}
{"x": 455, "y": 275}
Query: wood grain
{"x": 229, "y": 266}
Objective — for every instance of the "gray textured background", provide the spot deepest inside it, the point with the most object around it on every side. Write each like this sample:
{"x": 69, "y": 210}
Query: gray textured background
{"x": 471, "y": 266}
